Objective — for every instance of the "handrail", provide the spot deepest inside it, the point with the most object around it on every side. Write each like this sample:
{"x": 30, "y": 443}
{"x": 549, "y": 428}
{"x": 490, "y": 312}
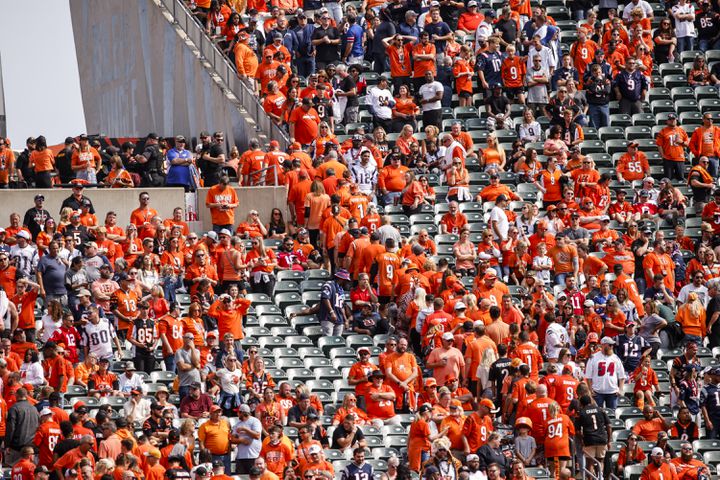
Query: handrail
{"x": 220, "y": 63}
{"x": 265, "y": 169}
{"x": 586, "y": 473}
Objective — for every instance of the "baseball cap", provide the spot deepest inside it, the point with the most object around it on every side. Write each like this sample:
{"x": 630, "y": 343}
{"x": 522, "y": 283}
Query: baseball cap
{"x": 314, "y": 449}
{"x": 607, "y": 341}
{"x": 644, "y": 193}
{"x": 447, "y": 336}
{"x": 225, "y": 231}
{"x": 153, "y": 452}
{"x": 83, "y": 293}
{"x": 672, "y": 116}
{"x": 455, "y": 403}
{"x": 39, "y": 196}
{"x": 592, "y": 337}
{"x": 657, "y": 451}
{"x": 588, "y": 303}
{"x": 244, "y": 408}
{"x": 501, "y": 198}
{"x": 460, "y": 306}
{"x": 212, "y": 236}
{"x": 343, "y": 274}
{"x": 472, "y": 458}
{"x": 486, "y": 402}
{"x": 425, "y": 407}
{"x": 23, "y": 234}
{"x": 45, "y": 411}
{"x": 430, "y": 382}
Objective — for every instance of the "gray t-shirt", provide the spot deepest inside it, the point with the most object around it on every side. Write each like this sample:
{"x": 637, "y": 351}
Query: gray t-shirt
{"x": 191, "y": 376}
{"x": 524, "y": 445}
{"x": 253, "y": 449}
{"x": 648, "y": 326}
{"x": 53, "y": 275}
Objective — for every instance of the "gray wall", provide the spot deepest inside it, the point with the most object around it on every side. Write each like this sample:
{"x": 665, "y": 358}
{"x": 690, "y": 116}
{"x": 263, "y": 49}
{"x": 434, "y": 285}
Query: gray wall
{"x": 124, "y": 200}
{"x": 137, "y": 76}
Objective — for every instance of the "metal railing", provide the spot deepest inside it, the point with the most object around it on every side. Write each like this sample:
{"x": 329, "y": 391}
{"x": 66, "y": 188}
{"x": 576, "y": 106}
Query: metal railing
{"x": 220, "y": 62}
{"x": 263, "y": 178}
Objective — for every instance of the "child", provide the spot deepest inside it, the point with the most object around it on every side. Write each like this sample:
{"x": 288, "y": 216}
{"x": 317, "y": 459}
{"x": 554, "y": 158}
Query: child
{"x": 690, "y": 392}
{"x": 542, "y": 264}
{"x": 525, "y": 446}
{"x": 171, "y": 282}
{"x": 646, "y": 383}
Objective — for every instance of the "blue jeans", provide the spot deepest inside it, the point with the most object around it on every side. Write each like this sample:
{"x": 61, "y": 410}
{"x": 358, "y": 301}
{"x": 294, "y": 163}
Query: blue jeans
{"x": 704, "y": 44}
{"x": 578, "y": 15}
{"x": 335, "y": 11}
{"x": 225, "y": 459}
{"x": 599, "y": 115}
{"x": 684, "y": 44}
{"x": 608, "y": 400}
{"x": 305, "y": 65}
{"x": 714, "y": 166}
{"x": 170, "y": 363}
{"x": 693, "y": 338}
{"x": 560, "y": 278}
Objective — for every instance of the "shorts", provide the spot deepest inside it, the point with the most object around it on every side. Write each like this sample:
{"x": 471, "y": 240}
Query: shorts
{"x": 514, "y": 92}
{"x": 464, "y": 94}
{"x": 595, "y": 451}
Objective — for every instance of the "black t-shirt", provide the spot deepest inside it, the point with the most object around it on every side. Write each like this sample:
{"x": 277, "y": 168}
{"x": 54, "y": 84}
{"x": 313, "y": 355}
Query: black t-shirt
{"x": 35, "y": 220}
{"x": 65, "y": 445}
{"x": 639, "y": 272}
{"x": 214, "y": 150}
{"x": 326, "y": 52}
{"x": 63, "y": 162}
{"x": 593, "y": 421}
{"x": 714, "y": 333}
{"x": 707, "y": 25}
{"x": 76, "y": 204}
{"x": 347, "y": 84}
{"x": 497, "y": 104}
{"x": 508, "y": 30}
{"x": 661, "y": 51}
{"x": 297, "y": 415}
{"x": 340, "y": 432}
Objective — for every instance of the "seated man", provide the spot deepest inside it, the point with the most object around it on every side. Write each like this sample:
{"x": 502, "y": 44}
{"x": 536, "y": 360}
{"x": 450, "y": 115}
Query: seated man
{"x": 687, "y": 467}
{"x": 649, "y": 427}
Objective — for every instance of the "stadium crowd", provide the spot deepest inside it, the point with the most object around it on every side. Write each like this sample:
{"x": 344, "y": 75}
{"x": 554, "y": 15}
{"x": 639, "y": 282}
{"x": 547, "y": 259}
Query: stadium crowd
{"x": 434, "y": 306}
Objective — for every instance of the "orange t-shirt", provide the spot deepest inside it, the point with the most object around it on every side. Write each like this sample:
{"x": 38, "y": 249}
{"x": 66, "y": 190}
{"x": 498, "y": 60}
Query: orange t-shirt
{"x": 230, "y": 321}
{"x": 224, "y": 196}
{"x": 46, "y": 437}
{"x": 90, "y": 158}
{"x": 563, "y": 258}
{"x": 557, "y": 439}
{"x": 633, "y": 167}
{"x": 44, "y": 161}
{"x": 306, "y": 125}
{"x": 400, "y": 60}
{"x": 359, "y": 370}
{"x": 464, "y": 83}
{"x": 317, "y": 204}
{"x": 422, "y": 66}
{"x": 382, "y": 409}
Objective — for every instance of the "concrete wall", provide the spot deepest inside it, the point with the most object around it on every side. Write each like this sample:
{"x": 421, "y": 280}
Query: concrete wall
{"x": 123, "y": 201}
{"x": 137, "y": 76}
{"x": 120, "y": 200}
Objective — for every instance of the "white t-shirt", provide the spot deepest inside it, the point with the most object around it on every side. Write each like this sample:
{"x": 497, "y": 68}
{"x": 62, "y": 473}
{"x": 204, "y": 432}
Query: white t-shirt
{"x": 380, "y": 100}
{"x": 542, "y": 261}
{"x": 503, "y": 225}
{"x": 230, "y": 380}
{"x": 555, "y": 334}
{"x": 684, "y": 28}
{"x": 604, "y": 372}
{"x": 546, "y": 56}
{"x": 702, "y": 293}
{"x": 49, "y": 326}
{"x": 642, "y": 5}
{"x": 428, "y": 91}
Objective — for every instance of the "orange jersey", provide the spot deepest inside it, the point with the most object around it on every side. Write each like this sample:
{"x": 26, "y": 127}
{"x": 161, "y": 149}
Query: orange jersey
{"x": 669, "y": 140}
{"x": 126, "y": 304}
{"x": 583, "y": 54}
{"x": 551, "y": 183}
{"x": 400, "y": 65}
{"x": 463, "y": 83}
{"x": 633, "y": 167}
{"x": 46, "y": 437}
{"x": 382, "y": 409}
{"x": 513, "y": 72}
{"x": 530, "y": 355}
{"x": 422, "y": 66}
{"x": 387, "y": 276}
{"x": 557, "y": 439}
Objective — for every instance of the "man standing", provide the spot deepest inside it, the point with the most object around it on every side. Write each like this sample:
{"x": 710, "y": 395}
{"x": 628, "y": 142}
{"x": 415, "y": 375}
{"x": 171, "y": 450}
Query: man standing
{"x": 401, "y": 370}
{"x": 630, "y": 87}
{"x": 187, "y": 360}
{"x": 214, "y": 435}
{"x": 35, "y": 217}
{"x": 431, "y": 94}
{"x": 246, "y": 434}
{"x": 672, "y": 141}
{"x": 332, "y": 304}
{"x": 710, "y": 404}
{"x": 212, "y": 160}
{"x": 498, "y": 219}
{"x": 21, "y": 424}
{"x": 605, "y": 374}
{"x": 705, "y": 141}
{"x": 170, "y": 329}
{"x": 144, "y": 338}
{"x": 446, "y": 360}
{"x": 222, "y": 201}
{"x": 150, "y": 163}
{"x": 326, "y": 40}
{"x": 50, "y": 275}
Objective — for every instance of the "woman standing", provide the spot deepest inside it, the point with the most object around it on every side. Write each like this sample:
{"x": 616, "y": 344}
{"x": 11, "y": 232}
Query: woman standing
{"x": 465, "y": 254}
{"x": 42, "y": 161}
{"x": 315, "y": 204}
{"x": 423, "y": 432}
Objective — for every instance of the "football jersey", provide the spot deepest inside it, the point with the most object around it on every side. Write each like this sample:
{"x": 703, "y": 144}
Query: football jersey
{"x": 365, "y": 177}
{"x": 357, "y": 472}
{"x": 604, "y": 372}
{"x": 98, "y": 338}
{"x": 630, "y": 350}
{"x": 593, "y": 421}
{"x": 143, "y": 331}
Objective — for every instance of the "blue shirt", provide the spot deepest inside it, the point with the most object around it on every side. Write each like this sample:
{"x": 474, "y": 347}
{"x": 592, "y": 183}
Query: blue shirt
{"x": 178, "y": 174}
{"x": 354, "y": 34}
{"x": 440, "y": 29}
{"x": 355, "y": 472}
